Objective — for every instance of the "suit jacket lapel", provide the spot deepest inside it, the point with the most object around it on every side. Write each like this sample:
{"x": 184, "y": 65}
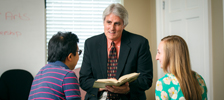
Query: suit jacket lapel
{"x": 124, "y": 52}
{"x": 102, "y": 54}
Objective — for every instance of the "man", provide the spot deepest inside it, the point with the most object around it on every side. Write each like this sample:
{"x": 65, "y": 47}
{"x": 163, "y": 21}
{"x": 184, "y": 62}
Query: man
{"x": 132, "y": 55}
{"x": 56, "y": 80}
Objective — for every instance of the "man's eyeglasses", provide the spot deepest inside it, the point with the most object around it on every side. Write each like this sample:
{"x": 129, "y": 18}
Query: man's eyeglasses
{"x": 79, "y": 52}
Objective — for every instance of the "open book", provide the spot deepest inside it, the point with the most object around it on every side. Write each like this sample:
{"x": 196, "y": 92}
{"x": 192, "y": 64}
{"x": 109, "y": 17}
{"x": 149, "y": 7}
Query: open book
{"x": 101, "y": 83}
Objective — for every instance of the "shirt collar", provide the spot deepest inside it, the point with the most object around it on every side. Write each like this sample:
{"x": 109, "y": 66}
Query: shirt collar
{"x": 58, "y": 63}
{"x": 116, "y": 42}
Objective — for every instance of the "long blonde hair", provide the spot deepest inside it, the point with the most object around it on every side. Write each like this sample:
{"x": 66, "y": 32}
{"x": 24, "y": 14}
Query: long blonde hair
{"x": 177, "y": 61}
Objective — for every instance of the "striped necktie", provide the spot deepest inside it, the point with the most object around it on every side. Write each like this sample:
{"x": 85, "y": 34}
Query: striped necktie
{"x": 112, "y": 70}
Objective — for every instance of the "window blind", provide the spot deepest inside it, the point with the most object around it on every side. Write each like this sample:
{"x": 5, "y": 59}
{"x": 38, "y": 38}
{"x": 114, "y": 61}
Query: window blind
{"x": 82, "y": 17}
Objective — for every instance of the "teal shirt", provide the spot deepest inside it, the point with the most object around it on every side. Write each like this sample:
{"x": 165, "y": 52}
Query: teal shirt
{"x": 168, "y": 88}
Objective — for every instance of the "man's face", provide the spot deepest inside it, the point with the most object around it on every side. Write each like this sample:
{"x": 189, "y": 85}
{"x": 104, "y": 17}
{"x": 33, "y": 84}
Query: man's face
{"x": 74, "y": 59}
{"x": 113, "y": 27}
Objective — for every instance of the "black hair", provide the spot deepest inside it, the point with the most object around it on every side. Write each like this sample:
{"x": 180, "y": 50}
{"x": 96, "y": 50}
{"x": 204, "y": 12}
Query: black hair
{"x": 61, "y": 45}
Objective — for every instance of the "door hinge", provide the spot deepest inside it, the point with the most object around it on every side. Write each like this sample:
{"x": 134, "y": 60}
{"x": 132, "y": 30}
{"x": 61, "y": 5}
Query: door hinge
{"x": 163, "y": 5}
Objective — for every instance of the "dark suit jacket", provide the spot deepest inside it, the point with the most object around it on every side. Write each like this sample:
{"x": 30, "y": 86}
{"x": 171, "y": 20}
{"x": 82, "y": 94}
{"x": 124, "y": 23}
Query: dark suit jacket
{"x": 134, "y": 57}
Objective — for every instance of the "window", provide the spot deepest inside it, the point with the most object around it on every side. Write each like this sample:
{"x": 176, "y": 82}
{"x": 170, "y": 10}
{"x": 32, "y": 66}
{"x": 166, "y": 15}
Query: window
{"x": 82, "y": 17}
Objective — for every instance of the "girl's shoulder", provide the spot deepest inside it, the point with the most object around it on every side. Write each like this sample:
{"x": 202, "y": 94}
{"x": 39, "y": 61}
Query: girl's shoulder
{"x": 200, "y": 79}
{"x": 168, "y": 79}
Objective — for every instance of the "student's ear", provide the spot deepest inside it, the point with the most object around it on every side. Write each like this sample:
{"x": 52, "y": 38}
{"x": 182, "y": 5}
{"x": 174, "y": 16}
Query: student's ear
{"x": 69, "y": 57}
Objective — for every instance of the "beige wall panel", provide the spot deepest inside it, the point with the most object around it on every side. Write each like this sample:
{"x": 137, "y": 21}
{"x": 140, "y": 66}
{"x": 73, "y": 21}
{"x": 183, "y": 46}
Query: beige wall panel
{"x": 142, "y": 21}
{"x": 218, "y": 49}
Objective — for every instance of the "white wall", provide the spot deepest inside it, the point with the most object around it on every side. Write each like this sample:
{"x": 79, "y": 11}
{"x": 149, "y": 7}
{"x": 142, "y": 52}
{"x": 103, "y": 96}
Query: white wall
{"x": 22, "y": 35}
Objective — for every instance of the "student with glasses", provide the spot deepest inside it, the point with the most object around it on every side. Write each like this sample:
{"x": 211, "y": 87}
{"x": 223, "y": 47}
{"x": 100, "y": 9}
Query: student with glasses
{"x": 56, "y": 80}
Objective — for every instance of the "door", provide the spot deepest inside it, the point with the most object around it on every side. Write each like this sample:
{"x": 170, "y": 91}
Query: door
{"x": 189, "y": 19}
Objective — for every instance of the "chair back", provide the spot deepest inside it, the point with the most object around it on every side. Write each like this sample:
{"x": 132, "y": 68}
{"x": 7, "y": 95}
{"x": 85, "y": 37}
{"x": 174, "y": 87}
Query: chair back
{"x": 83, "y": 93}
{"x": 15, "y": 84}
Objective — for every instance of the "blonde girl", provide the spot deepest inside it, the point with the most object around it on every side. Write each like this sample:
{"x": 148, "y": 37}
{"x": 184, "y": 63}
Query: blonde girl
{"x": 179, "y": 82}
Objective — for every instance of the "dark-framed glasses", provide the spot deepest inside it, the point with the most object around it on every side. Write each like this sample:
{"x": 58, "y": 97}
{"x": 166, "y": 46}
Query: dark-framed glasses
{"x": 79, "y": 52}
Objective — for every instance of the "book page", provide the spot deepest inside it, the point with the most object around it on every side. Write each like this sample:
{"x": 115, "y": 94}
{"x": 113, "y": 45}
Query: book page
{"x": 128, "y": 77}
{"x": 107, "y": 80}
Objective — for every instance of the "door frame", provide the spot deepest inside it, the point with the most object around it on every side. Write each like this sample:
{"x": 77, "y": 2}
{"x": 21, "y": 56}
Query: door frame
{"x": 160, "y": 20}
{"x": 223, "y": 19}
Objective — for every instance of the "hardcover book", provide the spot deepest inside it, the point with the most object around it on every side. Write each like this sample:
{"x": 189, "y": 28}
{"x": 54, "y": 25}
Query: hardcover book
{"x": 101, "y": 83}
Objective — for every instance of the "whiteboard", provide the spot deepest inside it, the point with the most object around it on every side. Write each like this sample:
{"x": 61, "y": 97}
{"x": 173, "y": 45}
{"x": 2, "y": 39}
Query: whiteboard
{"x": 22, "y": 35}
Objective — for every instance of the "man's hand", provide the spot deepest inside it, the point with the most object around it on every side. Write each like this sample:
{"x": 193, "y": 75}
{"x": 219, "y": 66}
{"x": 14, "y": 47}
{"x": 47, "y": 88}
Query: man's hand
{"x": 119, "y": 89}
{"x": 101, "y": 89}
